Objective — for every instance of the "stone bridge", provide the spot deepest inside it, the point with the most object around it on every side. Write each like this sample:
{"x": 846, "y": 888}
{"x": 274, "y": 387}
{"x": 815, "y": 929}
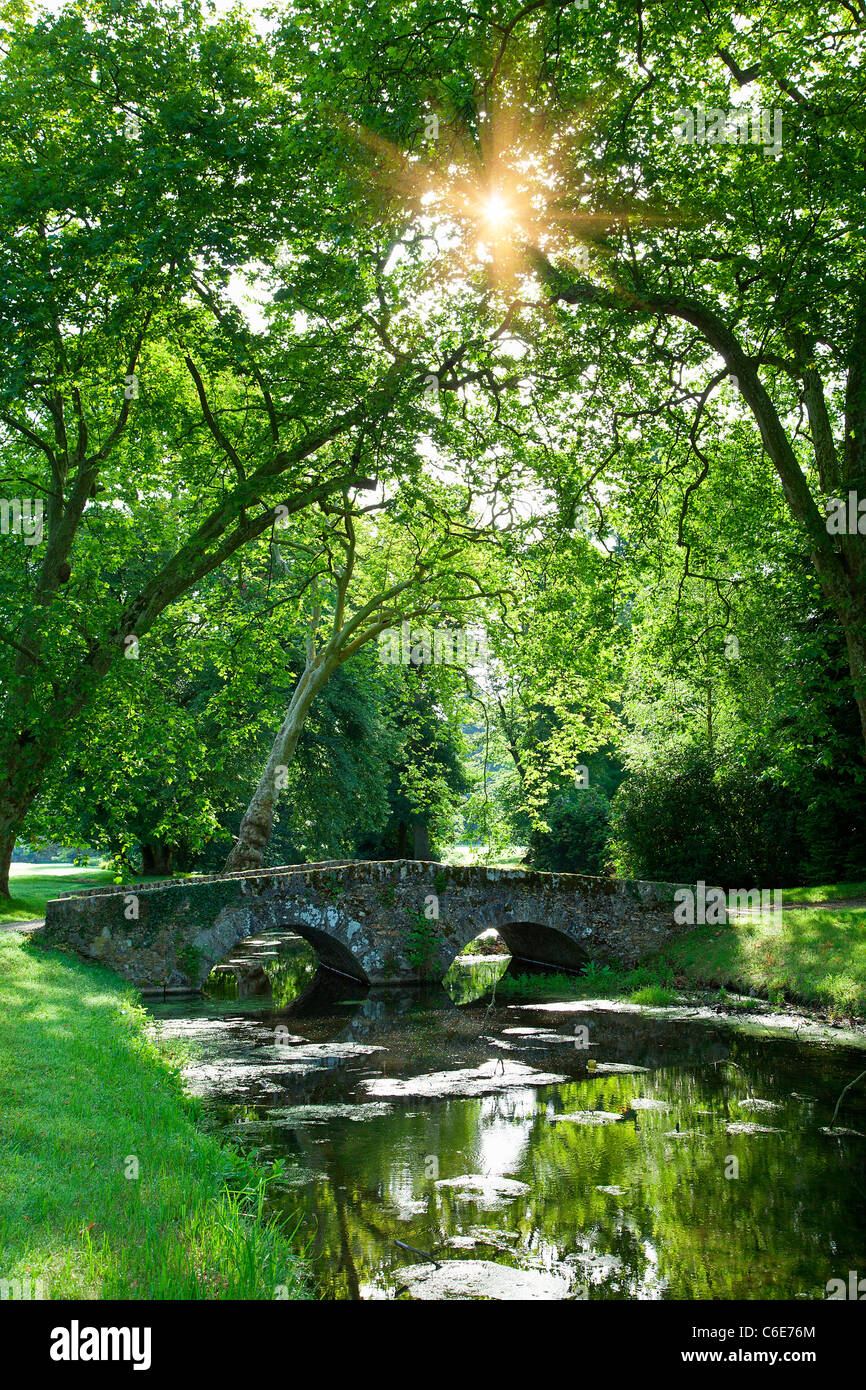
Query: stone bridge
{"x": 399, "y": 922}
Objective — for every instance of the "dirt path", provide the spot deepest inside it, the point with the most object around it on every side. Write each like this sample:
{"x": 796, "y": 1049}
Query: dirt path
{"x": 824, "y": 905}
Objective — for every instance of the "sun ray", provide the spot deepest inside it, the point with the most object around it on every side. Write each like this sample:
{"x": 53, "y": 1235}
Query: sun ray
{"x": 512, "y": 180}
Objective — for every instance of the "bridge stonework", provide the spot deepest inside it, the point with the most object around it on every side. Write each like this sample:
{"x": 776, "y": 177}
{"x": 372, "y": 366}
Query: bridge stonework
{"x": 372, "y": 921}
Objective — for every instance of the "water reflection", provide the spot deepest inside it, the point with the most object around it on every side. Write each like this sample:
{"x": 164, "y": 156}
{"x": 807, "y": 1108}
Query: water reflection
{"x": 620, "y": 1178}
{"x": 282, "y": 965}
{"x": 471, "y": 977}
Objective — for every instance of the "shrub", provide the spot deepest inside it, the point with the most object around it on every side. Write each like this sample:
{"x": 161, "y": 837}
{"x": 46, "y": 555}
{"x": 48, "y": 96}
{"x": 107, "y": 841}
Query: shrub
{"x": 575, "y": 838}
{"x": 694, "y": 816}
{"x": 653, "y": 995}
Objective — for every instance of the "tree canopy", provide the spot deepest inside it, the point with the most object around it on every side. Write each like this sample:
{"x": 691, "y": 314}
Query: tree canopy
{"x": 547, "y": 319}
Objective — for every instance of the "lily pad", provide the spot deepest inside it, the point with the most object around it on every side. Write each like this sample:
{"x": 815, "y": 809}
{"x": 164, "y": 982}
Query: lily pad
{"x": 488, "y": 1192}
{"x": 618, "y": 1068}
{"x": 321, "y": 1114}
{"x": 497, "y": 1075}
{"x": 589, "y": 1117}
{"x": 484, "y": 1279}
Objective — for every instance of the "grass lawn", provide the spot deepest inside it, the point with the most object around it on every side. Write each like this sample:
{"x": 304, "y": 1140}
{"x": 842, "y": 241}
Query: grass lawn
{"x": 816, "y": 958}
{"x": 86, "y": 1099}
{"x": 33, "y": 884}
{"x": 828, "y": 892}
{"x": 465, "y": 856}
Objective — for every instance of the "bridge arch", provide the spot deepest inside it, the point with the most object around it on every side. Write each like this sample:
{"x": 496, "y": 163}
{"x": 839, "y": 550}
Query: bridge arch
{"x": 364, "y": 920}
{"x": 528, "y": 938}
{"x": 541, "y": 944}
{"x": 330, "y": 951}
{"x": 340, "y": 942}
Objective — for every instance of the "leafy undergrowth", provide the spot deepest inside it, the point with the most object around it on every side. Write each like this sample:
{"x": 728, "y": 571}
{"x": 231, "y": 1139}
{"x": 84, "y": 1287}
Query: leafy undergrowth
{"x": 653, "y": 978}
{"x": 654, "y": 995}
{"x": 88, "y": 1100}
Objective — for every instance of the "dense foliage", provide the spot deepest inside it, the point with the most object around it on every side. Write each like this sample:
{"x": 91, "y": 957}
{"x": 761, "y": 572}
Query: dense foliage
{"x": 365, "y": 315}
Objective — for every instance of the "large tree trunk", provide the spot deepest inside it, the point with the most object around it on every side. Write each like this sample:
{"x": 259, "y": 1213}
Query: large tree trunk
{"x": 18, "y": 791}
{"x": 421, "y": 840}
{"x": 843, "y": 582}
{"x": 855, "y": 638}
{"x": 258, "y": 821}
{"x": 156, "y": 859}
{"x": 7, "y": 844}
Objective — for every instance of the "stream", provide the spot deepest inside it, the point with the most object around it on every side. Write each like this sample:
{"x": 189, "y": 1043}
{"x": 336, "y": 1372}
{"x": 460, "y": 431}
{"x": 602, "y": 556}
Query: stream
{"x": 439, "y": 1144}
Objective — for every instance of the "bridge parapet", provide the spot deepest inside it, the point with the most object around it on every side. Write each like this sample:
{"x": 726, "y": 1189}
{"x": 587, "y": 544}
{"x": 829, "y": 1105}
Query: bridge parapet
{"x": 381, "y": 921}
{"x": 104, "y": 890}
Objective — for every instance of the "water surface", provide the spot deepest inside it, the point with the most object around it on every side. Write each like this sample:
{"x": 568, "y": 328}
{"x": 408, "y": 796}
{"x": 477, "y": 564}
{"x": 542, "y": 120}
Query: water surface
{"x": 532, "y": 1149}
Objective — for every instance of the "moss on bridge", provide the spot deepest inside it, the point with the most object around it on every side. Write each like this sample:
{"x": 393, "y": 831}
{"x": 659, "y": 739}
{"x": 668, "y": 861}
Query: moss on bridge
{"x": 383, "y": 922}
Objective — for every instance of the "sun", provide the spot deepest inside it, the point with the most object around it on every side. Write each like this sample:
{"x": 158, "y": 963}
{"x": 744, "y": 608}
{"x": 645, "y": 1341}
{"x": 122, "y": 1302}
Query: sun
{"x": 513, "y": 181}
{"x": 496, "y": 212}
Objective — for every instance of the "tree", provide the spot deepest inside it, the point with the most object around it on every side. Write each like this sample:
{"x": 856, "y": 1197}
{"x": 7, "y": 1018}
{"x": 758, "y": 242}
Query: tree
{"x": 786, "y": 325}
{"x": 688, "y": 187}
{"x": 148, "y": 156}
{"x": 426, "y": 778}
{"x": 413, "y": 559}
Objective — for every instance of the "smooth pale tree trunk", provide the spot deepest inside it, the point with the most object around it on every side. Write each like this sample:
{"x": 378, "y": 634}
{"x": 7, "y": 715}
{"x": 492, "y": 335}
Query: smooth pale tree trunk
{"x": 30, "y": 736}
{"x": 258, "y": 821}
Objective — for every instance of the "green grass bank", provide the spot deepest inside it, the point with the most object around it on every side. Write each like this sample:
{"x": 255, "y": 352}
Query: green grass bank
{"x": 88, "y": 1099}
{"x": 815, "y": 957}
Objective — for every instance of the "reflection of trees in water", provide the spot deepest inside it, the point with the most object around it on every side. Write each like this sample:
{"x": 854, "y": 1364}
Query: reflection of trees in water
{"x": 290, "y": 975}
{"x": 346, "y": 1260}
{"x": 466, "y": 981}
{"x": 682, "y": 1229}
{"x": 281, "y": 967}
{"x": 287, "y": 968}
